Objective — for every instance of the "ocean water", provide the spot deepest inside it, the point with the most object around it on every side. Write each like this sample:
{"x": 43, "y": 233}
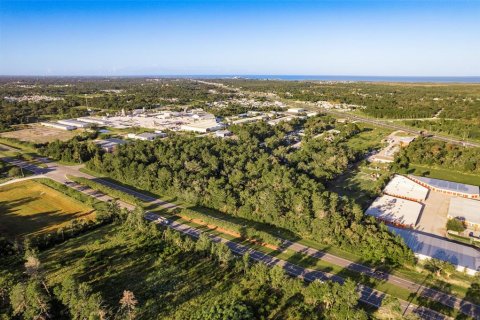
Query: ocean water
{"x": 475, "y": 79}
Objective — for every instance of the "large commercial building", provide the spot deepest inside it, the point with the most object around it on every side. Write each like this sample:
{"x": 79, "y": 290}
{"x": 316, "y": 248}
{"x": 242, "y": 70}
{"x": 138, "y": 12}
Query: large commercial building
{"x": 448, "y": 187}
{"x": 203, "y": 126}
{"x": 467, "y": 210}
{"x": 426, "y": 246}
{"x": 146, "y": 136}
{"x": 57, "y": 125}
{"x": 75, "y": 123}
{"x": 395, "y": 211}
{"x": 402, "y": 187}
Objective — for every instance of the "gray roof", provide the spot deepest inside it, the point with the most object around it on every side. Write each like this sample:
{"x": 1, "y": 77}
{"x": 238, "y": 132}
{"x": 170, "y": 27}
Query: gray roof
{"x": 148, "y": 135}
{"x": 467, "y": 209}
{"x": 436, "y": 247}
{"x": 110, "y": 142}
{"x": 448, "y": 185}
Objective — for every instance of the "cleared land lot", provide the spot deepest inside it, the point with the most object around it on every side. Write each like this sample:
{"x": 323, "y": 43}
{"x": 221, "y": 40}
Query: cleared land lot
{"x": 40, "y": 134}
{"x": 29, "y": 207}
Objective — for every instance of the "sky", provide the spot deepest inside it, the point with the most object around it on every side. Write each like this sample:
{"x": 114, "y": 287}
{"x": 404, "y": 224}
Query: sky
{"x": 282, "y": 37}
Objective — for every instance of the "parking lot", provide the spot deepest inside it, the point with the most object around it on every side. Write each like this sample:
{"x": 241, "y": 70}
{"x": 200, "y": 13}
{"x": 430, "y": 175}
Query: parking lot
{"x": 434, "y": 215}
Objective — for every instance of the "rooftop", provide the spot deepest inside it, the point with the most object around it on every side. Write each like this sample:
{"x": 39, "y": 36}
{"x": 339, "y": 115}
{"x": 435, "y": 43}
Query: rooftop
{"x": 448, "y": 185}
{"x": 395, "y": 210}
{"x": 403, "y": 187}
{"x": 467, "y": 209}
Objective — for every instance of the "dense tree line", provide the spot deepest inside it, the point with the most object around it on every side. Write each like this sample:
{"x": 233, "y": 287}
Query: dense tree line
{"x": 382, "y": 100}
{"x": 249, "y": 177}
{"x": 252, "y": 290}
{"x": 78, "y": 149}
{"x": 460, "y": 128}
{"x": 80, "y": 94}
{"x": 438, "y": 153}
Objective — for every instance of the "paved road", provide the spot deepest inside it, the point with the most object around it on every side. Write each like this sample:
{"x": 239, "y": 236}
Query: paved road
{"x": 58, "y": 173}
{"x": 367, "y": 295}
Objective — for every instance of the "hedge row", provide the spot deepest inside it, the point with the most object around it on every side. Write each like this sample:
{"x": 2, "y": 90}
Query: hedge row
{"x": 244, "y": 231}
{"x": 115, "y": 193}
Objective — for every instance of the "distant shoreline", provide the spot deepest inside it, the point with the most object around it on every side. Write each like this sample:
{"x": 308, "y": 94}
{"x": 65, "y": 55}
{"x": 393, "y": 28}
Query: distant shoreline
{"x": 336, "y": 78}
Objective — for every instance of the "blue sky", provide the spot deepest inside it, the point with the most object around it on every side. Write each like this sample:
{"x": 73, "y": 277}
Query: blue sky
{"x": 356, "y": 37}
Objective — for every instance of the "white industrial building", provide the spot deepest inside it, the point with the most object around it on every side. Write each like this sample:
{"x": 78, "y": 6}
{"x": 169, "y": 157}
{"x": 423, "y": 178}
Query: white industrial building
{"x": 97, "y": 121}
{"x": 75, "y": 123}
{"x": 395, "y": 211}
{"x": 467, "y": 210}
{"x": 57, "y": 125}
{"x": 203, "y": 126}
{"x": 296, "y": 110}
{"x": 402, "y": 187}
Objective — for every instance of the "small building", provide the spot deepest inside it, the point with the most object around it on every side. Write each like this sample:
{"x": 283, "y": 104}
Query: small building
{"x": 448, "y": 187}
{"x": 57, "y": 125}
{"x": 75, "y": 123}
{"x": 223, "y": 133}
{"x": 467, "y": 210}
{"x": 110, "y": 144}
{"x": 395, "y": 211}
{"x": 146, "y": 136}
{"x": 402, "y": 187}
{"x": 296, "y": 110}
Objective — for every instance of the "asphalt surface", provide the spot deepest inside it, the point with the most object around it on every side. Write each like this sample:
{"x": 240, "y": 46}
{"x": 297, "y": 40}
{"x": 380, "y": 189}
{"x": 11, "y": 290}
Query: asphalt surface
{"x": 368, "y": 295}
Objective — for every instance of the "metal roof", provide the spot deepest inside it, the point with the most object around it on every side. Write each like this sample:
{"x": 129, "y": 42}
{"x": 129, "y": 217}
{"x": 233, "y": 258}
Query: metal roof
{"x": 448, "y": 185}
{"x": 467, "y": 209}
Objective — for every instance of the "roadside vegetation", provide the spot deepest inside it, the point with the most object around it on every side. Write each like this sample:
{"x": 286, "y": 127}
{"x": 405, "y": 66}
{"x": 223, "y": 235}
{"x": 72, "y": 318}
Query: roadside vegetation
{"x": 160, "y": 274}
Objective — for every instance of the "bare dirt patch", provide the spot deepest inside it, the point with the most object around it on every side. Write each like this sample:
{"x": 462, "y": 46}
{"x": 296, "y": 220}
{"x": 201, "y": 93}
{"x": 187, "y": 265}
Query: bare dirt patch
{"x": 40, "y": 134}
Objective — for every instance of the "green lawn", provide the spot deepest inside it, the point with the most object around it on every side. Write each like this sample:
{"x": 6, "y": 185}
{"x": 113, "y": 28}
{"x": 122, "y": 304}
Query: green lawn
{"x": 370, "y": 138}
{"x": 28, "y": 207}
{"x": 444, "y": 174}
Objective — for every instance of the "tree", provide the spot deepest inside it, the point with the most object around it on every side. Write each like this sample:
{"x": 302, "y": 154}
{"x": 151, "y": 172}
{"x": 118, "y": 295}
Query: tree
{"x": 455, "y": 225}
{"x": 128, "y": 304}
{"x": 439, "y": 267}
{"x": 30, "y": 300}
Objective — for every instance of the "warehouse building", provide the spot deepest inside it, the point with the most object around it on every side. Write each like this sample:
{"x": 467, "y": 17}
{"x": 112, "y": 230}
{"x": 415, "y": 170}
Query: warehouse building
{"x": 96, "y": 121}
{"x": 425, "y": 246}
{"x": 146, "y": 136}
{"x": 203, "y": 126}
{"x": 448, "y": 187}
{"x": 75, "y": 123}
{"x": 467, "y": 210}
{"x": 402, "y": 187}
{"x": 58, "y": 126}
{"x": 395, "y": 211}
{"x": 110, "y": 144}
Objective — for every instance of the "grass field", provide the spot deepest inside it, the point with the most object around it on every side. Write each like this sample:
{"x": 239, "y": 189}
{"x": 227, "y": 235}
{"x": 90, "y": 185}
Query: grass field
{"x": 29, "y": 207}
{"x": 444, "y": 174}
{"x": 370, "y": 138}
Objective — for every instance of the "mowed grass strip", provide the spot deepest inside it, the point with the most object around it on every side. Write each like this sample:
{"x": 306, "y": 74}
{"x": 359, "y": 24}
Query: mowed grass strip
{"x": 28, "y": 207}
